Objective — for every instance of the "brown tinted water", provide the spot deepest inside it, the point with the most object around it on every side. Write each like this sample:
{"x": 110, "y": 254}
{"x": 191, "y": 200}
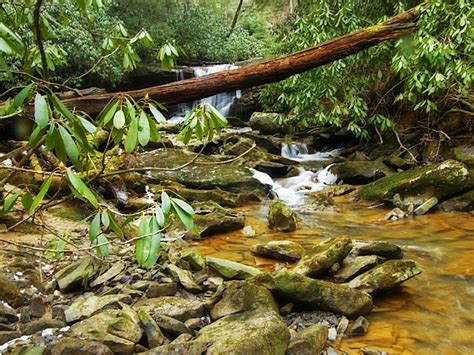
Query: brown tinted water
{"x": 431, "y": 314}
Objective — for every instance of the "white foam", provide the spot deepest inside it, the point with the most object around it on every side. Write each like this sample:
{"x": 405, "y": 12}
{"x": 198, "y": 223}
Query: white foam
{"x": 301, "y": 152}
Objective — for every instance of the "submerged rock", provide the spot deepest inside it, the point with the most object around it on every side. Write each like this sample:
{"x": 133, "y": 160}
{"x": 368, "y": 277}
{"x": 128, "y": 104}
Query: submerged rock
{"x": 175, "y": 307}
{"x": 360, "y": 172}
{"x": 322, "y": 256}
{"x": 317, "y": 294}
{"x": 118, "y": 330}
{"x": 417, "y": 185}
{"x": 241, "y": 296}
{"x": 308, "y": 341}
{"x": 73, "y": 276}
{"x": 281, "y": 217}
{"x": 280, "y": 249}
{"x": 386, "y": 276}
{"x": 252, "y": 332}
{"x": 230, "y": 269}
{"x": 383, "y": 249}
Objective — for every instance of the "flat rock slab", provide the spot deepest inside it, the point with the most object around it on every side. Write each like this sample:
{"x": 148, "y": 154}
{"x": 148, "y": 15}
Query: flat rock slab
{"x": 280, "y": 249}
{"x": 85, "y": 306}
{"x": 68, "y": 346}
{"x": 253, "y": 332}
{"x": 175, "y": 307}
{"x": 386, "y": 276}
{"x": 383, "y": 249}
{"x": 230, "y": 269}
{"x": 72, "y": 276}
{"x": 114, "y": 270}
{"x": 352, "y": 267}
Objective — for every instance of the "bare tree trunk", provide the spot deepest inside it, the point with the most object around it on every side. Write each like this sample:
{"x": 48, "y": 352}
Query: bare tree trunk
{"x": 236, "y": 17}
{"x": 262, "y": 73}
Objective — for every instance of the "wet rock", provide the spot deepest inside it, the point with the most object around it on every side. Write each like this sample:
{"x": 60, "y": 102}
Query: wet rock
{"x": 281, "y": 217}
{"x": 241, "y": 296}
{"x": 317, "y": 294}
{"x": 465, "y": 154}
{"x": 189, "y": 348}
{"x": 333, "y": 191}
{"x": 417, "y": 185}
{"x": 308, "y": 341}
{"x": 360, "y": 326}
{"x": 210, "y": 219}
{"x": 322, "y": 256}
{"x": 171, "y": 326}
{"x": 352, "y": 267}
{"x": 114, "y": 270}
{"x": 6, "y": 336}
{"x": 153, "y": 332}
{"x": 9, "y": 293}
{"x": 230, "y": 269}
{"x": 68, "y": 346}
{"x": 360, "y": 172}
{"x": 395, "y": 214}
{"x": 170, "y": 306}
{"x": 85, "y": 306}
{"x": 7, "y": 314}
{"x": 185, "y": 278}
{"x": 268, "y": 123}
{"x": 164, "y": 289}
{"x": 426, "y": 206}
{"x": 194, "y": 258}
{"x": 252, "y": 332}
{"x": 280, "y": 249}
{"x": 41, "y": 324}
{"x": 386, "y": 276}
{"x": 73, "y": 276}
{"x": 383, "y": 249}
{"x": 118, "y": 330}
{"x": 461, "y": 203}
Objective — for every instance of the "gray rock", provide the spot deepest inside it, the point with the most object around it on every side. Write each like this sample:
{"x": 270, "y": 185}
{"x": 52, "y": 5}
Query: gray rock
{"x": 360, "y": 172}
{"x": 252, "y": 332}
{"x": 114, "y": 270}
{"x": 37, "y": 307}
{"x": 41, "y": 324}
{"x": 6, "y": 336}
{"x": 268, "y": 123}
{"x": 153, "y": 332}
{"x": 280, "y": 249}
{"x": 7, "y": 314}
{"x": 185, "y": 278}
{"x": 241, "y": 296}
{"x": 171, "y": 326}
{"x": 73, "y": 276}
{"x": 9, "y": 293}
{"x": 360, "y": 326}
{"x": 189, "y": 348}
{"x": 194, "y": 258}
{"x": 386, "y": 276}
{"x": 317, "y": 294}
{"x": 352, "y": 267}
{"x": 308, "y": 341}
{"x": 230, "y": 269}
{"x": 68, "y": 346}
{"x": 118, "y": 330}
{"x": 210, "y": 219}
{"x": 461, "y": 203}
{"x": 86, "y": 306}
{"x": 197, "y": 323}
{"x": 383, "y": 249}
{"x": 281, "y": 217}
{"x": 164, "y": 289}
{"x": 175, "y": 307}
{"x": 322, "y": 256}
{"x": 6, "y": 328}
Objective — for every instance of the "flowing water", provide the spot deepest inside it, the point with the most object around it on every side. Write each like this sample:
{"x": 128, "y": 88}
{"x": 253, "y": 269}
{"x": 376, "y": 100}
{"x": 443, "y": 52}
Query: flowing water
{"x": 431, "y": 314}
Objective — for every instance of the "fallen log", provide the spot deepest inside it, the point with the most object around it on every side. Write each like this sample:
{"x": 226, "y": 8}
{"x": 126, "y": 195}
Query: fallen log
{"x": 262, "y": 73}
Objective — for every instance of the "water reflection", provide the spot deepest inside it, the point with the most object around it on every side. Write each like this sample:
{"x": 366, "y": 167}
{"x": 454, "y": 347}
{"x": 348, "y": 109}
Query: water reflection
{"x": 431, "y": 314}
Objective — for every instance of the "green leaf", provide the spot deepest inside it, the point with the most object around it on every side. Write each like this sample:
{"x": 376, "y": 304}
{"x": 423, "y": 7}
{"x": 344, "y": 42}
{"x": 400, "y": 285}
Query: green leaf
{"x": 142, "y": 247}
{"x": 156, "y": 113}
{"x": 143, "y": 129}
{"x": 81, "y": 188}
{"x": 119, "y": 119}
{"x": 94, "y": 228}
{"x": 108, "y": 112}
{"x": 165, "y": 202}
{"x": 60, "y": 245}
{"x": 10, "y": 201}
{"x": 184, "y": 205}
{"x": 115, "y": 227}
{"x": 184, "y": 217}
{"x": 22, "y": 96}
{"x": 88, "y": 126}
{"x": 41, "y": 194}
{"x": 103, "y": 248}
{"x": 105, "y": 219}
{"x": 27, "y": 200}
{"x": 132, "y": 136}
{"x": 155, "y": 244}
{"x": 69, "y": 144}
{"x": 154, "y": 135}
{"x": 41, "y": 111}
{"x": 36, "y": 136}
{"x": 58, "y": 104}
{"x": 159, "y": 216}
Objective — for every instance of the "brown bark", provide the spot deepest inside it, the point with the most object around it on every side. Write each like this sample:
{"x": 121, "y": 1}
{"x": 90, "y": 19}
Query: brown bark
{"x": 262, "y": 73}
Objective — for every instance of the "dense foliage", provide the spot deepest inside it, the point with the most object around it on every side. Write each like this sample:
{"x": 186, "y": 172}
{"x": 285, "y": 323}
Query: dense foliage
{"x": 430, "y": 67}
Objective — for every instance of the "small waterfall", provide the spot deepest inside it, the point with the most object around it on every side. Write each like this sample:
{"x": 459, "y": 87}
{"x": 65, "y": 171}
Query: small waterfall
{"x": 221, "y": 101}
{"x": 301, "y": 152}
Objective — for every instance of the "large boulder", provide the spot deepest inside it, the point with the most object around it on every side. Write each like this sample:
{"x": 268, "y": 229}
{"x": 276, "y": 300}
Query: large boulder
{"x": 268, "y": 123}
{"x": 252, "y": 332}
{"x": 308, "y": 341}
{"x": 386, "y": 276}
{"x": 317, "y": 294}
{"x": 420, "y": 184}
{"x": 322, "y": 256}
{"x": 360, "y": 172}
{"x": 175, "y": 307}
{"x": 281, "y": 217}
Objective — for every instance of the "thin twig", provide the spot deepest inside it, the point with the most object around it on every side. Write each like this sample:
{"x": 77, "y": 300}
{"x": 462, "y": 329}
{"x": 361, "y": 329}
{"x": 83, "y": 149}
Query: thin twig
{"x": 402, "y": 146}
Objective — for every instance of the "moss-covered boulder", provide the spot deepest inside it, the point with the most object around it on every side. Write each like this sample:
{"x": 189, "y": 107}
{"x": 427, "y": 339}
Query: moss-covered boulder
{"x": 322, "y": 256}
{"x": 308, "y": 341}
{"x": 231, "y": 269}
{"x": 268, "y": 123}
{"x": 281, "y": 217}
{"x": 360, "y": 172}
{"x": 386, "y": 276}
{"x": 285, "y": 250}
{"x": 418, "y": 185}
{"x": 316, "y": 294}
{"x": 175, "y": 307}
{"x": 252, "y": 332}
{"x": 68, "y": 346}
{"x": 241, "y": 296}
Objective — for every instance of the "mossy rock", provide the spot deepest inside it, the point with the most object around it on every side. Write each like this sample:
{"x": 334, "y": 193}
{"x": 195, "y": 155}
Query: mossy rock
{"x": 281, "y": 217}
{"x": 461, "y": 203}
{"x": 268, "y": 123}
{"x": 465, "y": 154}
{"x": 360, "y": 172}
{"x": 438, "y": 180}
